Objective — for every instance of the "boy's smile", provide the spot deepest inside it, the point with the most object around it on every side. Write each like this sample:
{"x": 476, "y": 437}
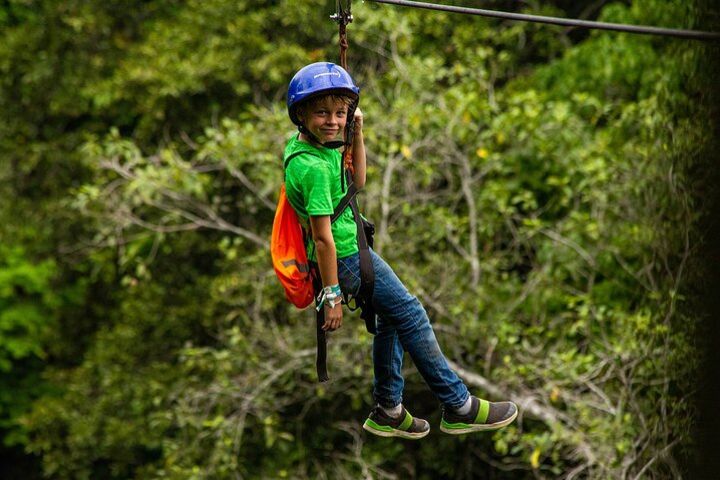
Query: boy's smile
{"x": 325, "y": 118}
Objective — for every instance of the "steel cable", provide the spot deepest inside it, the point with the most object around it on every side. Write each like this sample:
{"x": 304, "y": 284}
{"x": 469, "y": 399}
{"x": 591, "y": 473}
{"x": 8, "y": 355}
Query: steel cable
{"x": 568, "y": 22}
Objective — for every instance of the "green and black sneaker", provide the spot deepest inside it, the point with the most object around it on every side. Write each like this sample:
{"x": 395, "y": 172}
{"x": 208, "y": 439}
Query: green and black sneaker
{"x": 404, "y": 426}
{"x": 483, "y": 416}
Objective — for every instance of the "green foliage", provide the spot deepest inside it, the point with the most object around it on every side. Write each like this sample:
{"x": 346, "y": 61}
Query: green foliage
{"x": 25, "y": 301}
{"x": 534, "y": 193}
{"x": 26, "y": 305}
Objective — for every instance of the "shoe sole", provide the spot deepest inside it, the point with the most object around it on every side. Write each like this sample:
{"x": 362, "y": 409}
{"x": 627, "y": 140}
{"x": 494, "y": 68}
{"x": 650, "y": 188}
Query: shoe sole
{"x": 480, "y": 427}
{"x": 395, "y": 433}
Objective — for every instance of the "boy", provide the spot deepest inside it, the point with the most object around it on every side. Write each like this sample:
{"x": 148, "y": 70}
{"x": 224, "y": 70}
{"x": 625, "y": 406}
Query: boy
{"x": 320, "y": 98}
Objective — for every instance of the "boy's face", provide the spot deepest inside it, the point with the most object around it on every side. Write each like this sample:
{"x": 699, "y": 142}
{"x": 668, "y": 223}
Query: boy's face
{"x": 325, "y": 118}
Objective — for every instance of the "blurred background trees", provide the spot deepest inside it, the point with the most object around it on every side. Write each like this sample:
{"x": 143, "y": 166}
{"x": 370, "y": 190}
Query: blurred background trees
{"x": 536, "y": 187}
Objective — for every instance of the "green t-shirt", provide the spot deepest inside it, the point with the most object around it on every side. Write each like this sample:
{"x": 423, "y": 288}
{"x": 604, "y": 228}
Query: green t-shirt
{"x": 312, "y": 186}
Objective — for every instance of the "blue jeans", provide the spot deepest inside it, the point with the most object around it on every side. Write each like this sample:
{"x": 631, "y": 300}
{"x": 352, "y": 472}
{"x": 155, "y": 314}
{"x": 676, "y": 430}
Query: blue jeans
{"x": 402, "y": 325}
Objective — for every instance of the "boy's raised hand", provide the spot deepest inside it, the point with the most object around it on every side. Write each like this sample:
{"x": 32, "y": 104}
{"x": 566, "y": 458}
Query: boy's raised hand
{"x": 358, "y": 119}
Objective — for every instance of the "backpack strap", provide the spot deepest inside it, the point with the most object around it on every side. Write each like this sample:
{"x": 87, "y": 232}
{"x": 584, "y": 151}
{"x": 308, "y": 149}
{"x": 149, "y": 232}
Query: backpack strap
{"x": 296, "y": 154}
{"x": 344, "y": 202}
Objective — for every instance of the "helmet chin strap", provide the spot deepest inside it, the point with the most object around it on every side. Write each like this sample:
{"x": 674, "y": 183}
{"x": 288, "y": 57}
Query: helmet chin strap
{"x": 333, "y": 144}
{"x": 347, "y": 133}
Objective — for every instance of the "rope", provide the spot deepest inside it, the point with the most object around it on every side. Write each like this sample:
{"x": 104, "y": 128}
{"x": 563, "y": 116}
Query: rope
{"x": 569, "y": 22}
{"x": 343, "y": 46}
{"x": 343, "y": 16}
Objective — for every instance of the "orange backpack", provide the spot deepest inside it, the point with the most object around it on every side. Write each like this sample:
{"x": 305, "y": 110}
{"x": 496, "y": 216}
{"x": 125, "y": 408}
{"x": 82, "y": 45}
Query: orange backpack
{"x": 287, "y": 247}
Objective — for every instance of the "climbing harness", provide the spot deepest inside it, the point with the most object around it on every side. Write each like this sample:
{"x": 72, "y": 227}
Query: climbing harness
{"x": 569, "y": 22}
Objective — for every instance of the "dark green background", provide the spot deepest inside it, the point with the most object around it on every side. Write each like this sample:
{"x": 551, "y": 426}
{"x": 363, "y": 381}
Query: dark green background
{"x": 547, "y": 193}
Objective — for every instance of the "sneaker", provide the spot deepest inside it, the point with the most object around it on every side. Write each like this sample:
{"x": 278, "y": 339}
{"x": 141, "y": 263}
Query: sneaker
{"x": 483, "y": 416}
{"x": 404, "y": 426}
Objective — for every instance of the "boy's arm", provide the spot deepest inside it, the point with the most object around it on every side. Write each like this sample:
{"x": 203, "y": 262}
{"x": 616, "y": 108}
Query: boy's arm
{"x": 327, "y": 262}
{"x": 358, "y": 151}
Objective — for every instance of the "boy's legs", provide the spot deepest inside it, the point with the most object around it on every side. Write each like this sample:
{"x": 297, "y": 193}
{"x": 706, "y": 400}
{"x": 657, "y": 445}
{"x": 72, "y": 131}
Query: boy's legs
{"x": 402, "y": 323}
{"x": 402, "y": 311}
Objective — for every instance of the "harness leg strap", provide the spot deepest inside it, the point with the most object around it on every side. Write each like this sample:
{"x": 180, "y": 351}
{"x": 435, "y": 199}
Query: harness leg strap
{"x": 321, "y": 335}
{"x": 321, "y": 361}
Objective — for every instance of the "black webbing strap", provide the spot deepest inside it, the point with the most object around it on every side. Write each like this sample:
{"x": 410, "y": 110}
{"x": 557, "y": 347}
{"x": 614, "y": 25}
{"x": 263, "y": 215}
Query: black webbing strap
{"x": 344, "y": 202}
{"x": 367, "y": 274}
{"x": 295, "y": 154}
{"x": 321, "y": 359}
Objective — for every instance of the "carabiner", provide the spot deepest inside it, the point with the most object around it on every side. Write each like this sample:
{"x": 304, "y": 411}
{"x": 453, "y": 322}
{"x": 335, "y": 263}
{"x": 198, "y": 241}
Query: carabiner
{"x": 343, "y": 14}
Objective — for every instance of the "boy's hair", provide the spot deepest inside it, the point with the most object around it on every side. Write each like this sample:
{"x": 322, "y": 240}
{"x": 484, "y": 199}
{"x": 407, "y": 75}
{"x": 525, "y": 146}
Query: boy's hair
{"x": 308, "y": 105}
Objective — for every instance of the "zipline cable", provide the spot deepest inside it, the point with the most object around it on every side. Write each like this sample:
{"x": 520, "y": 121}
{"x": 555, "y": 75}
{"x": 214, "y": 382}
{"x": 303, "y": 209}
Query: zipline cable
{"x": 568, "y": 22}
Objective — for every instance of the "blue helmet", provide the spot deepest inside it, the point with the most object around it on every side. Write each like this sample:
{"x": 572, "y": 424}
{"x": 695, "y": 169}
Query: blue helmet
{"x": 315, "y": 79}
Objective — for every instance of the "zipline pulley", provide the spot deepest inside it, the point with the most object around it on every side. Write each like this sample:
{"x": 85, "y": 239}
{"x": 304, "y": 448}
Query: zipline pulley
{"x": 343, "y": 13}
